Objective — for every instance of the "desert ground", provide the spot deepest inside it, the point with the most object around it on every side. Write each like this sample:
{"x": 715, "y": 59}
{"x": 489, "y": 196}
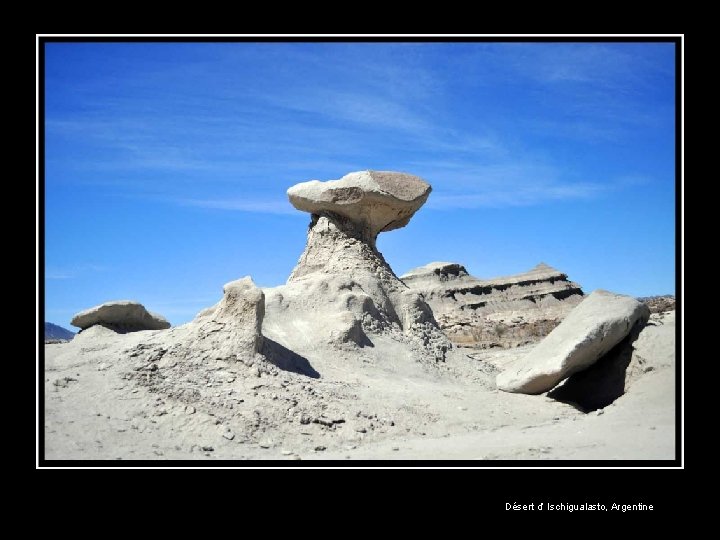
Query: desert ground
{"x": 361, "y": 407}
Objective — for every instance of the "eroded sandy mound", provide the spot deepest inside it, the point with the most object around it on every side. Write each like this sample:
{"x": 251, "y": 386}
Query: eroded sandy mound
{"x": 104, "y": 403}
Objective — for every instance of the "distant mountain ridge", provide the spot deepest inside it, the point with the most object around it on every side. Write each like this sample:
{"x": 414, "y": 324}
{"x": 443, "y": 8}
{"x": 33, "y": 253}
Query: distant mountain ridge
{"x": 53, "y": 331}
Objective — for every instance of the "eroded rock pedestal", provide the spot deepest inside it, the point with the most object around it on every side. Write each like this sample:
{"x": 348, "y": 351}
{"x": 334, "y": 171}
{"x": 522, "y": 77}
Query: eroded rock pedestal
{"x": 342, "y": 288}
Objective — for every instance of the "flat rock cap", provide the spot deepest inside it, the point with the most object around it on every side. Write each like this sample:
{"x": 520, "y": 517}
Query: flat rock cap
{"x": 377, "y": 200}
{"x": 122, "y": 314}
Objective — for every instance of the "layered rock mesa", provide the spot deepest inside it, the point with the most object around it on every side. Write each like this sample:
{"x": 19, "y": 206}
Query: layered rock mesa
{"x": 342, "y": 289}
{"x": 500, "y": 312}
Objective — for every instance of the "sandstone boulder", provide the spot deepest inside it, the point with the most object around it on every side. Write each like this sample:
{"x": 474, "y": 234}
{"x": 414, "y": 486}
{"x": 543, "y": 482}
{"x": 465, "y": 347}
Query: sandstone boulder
{"x": 121, "y": 316}
{"x": 375, "y": 201}
{"x": 594, "y": 327}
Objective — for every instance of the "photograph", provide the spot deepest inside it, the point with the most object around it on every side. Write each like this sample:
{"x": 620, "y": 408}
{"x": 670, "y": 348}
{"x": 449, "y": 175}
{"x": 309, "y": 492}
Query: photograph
{"x": 338, "y": 251}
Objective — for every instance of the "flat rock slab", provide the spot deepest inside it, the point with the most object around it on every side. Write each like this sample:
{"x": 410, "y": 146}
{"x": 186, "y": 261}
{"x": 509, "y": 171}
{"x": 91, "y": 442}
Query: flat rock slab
{"x": 123, "y": 316}
{"x": 375, "y": 200}
{"x": 595, "y": 326}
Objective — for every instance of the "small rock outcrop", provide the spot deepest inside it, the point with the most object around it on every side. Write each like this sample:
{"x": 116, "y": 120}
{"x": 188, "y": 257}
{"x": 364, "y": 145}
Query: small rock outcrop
{"x": 121, "y": 316}
{"x": 593, "y": 328}
{"x": 229, "y": 332}
{"x": 499, "y": 312}
{"x": 234, "y": 325}
{"x": 342, "y": 288}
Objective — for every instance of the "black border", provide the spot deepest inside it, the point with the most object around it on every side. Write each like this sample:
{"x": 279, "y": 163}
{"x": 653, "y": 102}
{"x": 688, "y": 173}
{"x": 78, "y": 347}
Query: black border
{"x": 40, "y": 146}
{"x": 410, "y": 38}
{"x": 606, "y": 478}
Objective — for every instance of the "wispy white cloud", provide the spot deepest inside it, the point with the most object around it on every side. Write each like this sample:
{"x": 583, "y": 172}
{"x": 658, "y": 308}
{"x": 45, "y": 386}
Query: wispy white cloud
{"x": 336, "y": 109}
{"x": 72, "y": 272}
{"x": 465, "y": 184}
{"x": 372, "y": 110}
{"x": 517, "y": 195}
{"x": 58, "y": 275}
{"x": 241, "y": 205}
{"x": 619, "y": 67}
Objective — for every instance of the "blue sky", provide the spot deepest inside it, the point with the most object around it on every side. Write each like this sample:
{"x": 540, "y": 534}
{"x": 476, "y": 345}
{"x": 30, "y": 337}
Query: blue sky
{"x": 167, "y": 164}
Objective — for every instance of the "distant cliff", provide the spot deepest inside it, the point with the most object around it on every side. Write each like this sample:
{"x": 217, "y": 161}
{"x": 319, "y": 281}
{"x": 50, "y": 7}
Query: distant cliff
{"x": 500, "y": 312}
{"x": 658, "y": 304}
{"x": 53, "y": 332}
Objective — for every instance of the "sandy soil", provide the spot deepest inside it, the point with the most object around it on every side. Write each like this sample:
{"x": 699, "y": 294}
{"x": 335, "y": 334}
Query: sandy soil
{"x": 372, "y": 405}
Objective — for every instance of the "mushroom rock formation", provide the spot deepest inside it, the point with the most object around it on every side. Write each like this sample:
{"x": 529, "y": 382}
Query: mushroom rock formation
{"x": 348, "y": 214}
{"x": 341, "y": 281}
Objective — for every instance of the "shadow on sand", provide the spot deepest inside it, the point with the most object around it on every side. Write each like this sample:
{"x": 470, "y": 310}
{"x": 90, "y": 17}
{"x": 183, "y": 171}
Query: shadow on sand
{"x": 285, "y": 359}
{"x": 603, "y": 382}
